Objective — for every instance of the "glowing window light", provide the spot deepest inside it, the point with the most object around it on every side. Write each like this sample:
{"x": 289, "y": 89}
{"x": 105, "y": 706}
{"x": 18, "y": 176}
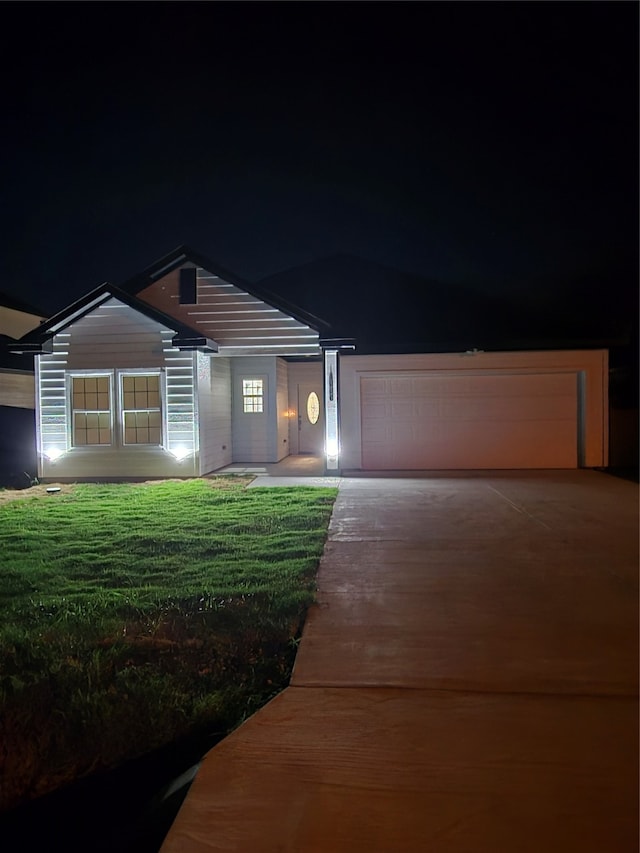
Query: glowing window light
{"x": 313, "y": 408}
{"x": 252, "y": 395}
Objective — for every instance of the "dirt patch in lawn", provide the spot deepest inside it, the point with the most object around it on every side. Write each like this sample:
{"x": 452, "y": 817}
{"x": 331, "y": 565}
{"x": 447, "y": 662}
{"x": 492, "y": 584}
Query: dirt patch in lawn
{"x": 41, "y": 490}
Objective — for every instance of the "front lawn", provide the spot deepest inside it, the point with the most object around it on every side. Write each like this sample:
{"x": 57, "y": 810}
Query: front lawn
{"x": 134, "y": 614}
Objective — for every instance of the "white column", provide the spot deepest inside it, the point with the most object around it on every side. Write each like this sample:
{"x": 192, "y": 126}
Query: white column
{"x": 331, "y": 419}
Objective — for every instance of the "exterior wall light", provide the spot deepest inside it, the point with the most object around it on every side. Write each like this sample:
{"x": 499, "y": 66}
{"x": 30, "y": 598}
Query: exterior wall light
{"x": 53, "y": 453}
{"x": 332, "y": 449}
{"x": 181, "y": 452}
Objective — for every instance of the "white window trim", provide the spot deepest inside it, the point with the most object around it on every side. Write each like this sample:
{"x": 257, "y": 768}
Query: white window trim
{"x": 252, "y": 377}
{"x": 120, "y": 375}
{"x": 89, "y": 374}
{"x": 116, "y": 409}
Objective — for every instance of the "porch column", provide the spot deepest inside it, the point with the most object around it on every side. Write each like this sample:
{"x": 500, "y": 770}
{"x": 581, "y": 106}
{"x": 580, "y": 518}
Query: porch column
{"x": 331, "y": 411}
{"x": 331, "y": 348}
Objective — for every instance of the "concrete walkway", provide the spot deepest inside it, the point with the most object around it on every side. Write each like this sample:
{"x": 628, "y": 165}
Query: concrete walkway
{"x": 468, "y": 681}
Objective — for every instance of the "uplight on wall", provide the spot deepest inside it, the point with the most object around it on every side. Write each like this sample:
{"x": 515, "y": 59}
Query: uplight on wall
{"x": 332, "y": 449}
{"x": 181, "y": 452}
{"x": 53, "y": 453}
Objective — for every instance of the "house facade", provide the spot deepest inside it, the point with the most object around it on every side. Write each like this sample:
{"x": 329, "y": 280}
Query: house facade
{"x": 186, "y": 369}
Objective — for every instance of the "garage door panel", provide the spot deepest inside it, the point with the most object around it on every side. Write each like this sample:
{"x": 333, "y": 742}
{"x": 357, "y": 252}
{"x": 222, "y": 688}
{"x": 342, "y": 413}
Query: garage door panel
{"x": 469, "y": 421}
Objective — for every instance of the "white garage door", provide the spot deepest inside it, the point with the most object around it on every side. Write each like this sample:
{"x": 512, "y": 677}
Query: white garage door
{"x": 425, "y": 421}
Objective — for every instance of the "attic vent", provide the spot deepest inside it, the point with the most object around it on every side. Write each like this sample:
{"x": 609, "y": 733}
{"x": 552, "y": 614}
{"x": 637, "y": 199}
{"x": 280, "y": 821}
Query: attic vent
{"x": 188, "y": 286}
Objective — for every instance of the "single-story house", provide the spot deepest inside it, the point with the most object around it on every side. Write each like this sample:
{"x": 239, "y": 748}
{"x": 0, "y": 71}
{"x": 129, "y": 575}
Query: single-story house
{"x": 185, "y": 369}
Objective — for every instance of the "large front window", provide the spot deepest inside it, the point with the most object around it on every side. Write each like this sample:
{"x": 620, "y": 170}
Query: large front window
{"x": 101, "y": 416}
{"x": 91, "y": 410}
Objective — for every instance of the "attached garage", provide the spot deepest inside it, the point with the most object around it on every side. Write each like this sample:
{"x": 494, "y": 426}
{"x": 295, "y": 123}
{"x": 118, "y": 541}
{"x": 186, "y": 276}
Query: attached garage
{"x": 474, "y": 411}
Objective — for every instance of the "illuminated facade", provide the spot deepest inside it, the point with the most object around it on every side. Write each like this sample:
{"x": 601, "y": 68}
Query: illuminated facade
{"x": 185, "y": 370}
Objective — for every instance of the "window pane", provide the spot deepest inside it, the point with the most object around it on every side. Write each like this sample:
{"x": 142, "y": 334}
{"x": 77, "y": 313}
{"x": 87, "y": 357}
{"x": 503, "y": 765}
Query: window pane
{"x": 313, "y": 408}
{"x": 141, "y": 404}
{"x": 91, "y": 416}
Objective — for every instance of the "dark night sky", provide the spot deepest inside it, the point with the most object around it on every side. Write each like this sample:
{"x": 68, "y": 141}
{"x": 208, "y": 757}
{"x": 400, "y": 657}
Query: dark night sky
{"x": 492, "y": 144}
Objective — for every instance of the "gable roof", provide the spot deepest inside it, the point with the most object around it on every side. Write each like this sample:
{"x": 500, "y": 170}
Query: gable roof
{"x": 184, "y": 254}
{"x": 36, "y": 341}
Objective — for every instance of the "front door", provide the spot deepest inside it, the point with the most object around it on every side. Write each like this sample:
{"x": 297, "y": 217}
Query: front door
{"x": 310, "y": 419}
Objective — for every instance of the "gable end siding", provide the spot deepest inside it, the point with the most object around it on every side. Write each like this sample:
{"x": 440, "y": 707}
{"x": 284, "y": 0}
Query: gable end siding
{"x": 241, "y": 324}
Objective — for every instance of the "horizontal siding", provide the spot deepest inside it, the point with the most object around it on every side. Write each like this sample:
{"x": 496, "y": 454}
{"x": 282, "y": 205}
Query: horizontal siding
{"x": 52, "y": 417}
{"x": 116, "y": 336}
{"x": 241, "y": 324}
{"x": 254, "y": 435}
{"x": 114, "y": 462}
{"x": 214, "y": 413}
{"x": 17, "y": 390}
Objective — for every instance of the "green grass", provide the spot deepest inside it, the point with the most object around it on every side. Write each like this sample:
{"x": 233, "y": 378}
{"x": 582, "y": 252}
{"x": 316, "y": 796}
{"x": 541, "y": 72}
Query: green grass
{"x": 132, "y": 615}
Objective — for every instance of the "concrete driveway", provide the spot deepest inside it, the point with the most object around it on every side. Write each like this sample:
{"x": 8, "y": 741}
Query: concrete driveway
{"x": 467, "y": 681}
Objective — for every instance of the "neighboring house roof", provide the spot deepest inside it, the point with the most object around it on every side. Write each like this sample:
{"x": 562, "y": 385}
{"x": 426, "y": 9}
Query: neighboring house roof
{"x": 388, "y": 310}
{"x": 391, "y": 311}
{"x": 184, "y": 255}
{"x": 37, "y": 340}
